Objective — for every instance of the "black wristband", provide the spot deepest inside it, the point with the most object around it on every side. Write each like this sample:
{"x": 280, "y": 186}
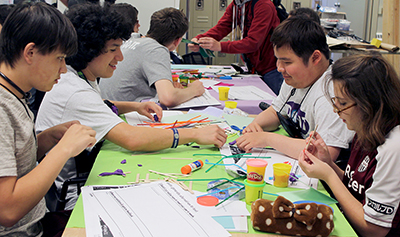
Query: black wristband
{"x": 175, "y": 143}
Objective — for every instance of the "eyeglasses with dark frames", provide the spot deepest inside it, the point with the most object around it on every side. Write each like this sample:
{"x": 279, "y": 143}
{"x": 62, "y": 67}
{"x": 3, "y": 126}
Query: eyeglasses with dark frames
{"x": 336, "y": 109}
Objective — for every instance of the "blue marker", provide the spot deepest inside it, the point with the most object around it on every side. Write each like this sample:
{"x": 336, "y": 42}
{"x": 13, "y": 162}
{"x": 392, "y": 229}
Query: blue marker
{"x": 156, "y": 118}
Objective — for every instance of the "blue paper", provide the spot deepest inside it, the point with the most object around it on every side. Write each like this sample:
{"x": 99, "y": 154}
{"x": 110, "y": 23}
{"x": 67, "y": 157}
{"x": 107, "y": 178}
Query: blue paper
{"x": 225, "y": 221}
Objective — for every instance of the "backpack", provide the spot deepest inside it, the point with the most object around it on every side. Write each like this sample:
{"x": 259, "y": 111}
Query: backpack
{"x": 280, "y": 9}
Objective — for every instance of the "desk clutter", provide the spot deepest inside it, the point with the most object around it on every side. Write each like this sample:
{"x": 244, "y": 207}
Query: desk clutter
{"x": 189, "y": 193}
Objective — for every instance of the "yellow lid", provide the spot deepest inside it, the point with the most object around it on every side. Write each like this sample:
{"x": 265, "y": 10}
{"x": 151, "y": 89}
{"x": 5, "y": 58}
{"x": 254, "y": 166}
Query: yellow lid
{"x": 231, "y": 104}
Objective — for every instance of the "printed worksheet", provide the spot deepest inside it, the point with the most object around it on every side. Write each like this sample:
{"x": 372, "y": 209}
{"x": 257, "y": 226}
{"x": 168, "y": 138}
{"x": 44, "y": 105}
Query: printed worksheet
{"x": 156, "y": 209}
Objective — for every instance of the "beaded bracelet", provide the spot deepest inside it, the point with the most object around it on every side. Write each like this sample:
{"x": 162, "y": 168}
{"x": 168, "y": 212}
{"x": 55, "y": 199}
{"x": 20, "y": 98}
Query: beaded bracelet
{"x": 176, "y": 138}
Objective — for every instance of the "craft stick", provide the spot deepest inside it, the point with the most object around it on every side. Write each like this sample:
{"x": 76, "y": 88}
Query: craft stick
{"x": 233, "y": 194}
{"x": 172, "y": 158}
{"x": 179, "y": 174}
{"x": 191, "y": 187}
{"x": 147, "y": 178}
{"x": 184, "y": 187}
{"x": 313, "y": 137}
{"x": 137, "y": 178}
{"x": 164, "y": 174}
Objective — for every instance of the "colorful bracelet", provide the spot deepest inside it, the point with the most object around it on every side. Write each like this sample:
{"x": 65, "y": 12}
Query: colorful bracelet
{"x": 175, "y": 143}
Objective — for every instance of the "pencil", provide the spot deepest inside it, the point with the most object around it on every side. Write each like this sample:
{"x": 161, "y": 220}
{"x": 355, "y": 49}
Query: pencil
{"x": 313, "y": 137}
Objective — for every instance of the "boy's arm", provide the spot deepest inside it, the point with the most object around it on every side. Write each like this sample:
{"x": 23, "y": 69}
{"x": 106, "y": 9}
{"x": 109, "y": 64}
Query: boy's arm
{"x": 153, "y": 139}
{"x": 19, "y": 196}
{"x": 171, "y": 96}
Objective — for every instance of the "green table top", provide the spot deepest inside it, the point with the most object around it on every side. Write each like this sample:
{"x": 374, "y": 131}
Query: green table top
{"x": 111, "y": 155}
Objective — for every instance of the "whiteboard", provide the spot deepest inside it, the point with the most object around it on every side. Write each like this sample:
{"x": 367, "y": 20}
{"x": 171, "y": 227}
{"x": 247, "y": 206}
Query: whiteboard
{"x": 146, "y": 9}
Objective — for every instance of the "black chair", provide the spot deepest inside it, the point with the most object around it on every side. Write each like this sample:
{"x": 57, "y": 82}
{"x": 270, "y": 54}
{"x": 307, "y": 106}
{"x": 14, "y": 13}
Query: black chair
{"x": 196, "y": 58}
{"x": 83, "y": 164}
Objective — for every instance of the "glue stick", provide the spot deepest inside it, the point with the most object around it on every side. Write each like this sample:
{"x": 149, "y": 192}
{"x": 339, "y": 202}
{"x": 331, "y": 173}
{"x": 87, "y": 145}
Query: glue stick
{"x": 195, "y": 165}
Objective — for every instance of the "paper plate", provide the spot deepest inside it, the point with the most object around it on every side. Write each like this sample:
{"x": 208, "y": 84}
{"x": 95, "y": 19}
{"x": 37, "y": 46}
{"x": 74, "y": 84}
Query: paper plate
{"x": 307, "y": 201}
{"x": 207, "y": 201}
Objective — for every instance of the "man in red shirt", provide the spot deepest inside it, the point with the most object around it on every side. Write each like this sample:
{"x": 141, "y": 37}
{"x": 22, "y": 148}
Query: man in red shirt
{"x": 253, "y": 25}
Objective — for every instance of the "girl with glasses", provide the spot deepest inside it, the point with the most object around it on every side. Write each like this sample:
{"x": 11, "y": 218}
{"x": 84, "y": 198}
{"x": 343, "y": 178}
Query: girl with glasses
{"x": 367, "y": 99}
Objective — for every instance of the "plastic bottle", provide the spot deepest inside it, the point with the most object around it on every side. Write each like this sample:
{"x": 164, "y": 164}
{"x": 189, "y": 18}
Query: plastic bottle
{"x": 195, "y": 165}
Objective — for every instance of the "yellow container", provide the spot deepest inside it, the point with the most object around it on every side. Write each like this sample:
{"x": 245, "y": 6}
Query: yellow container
{"x": 253, "y": 191}
{"x": 281, "y": 174}
{"x": 256, "y": 170}
{"x": 223, "y": 92}
{"x": 231, "y": 104}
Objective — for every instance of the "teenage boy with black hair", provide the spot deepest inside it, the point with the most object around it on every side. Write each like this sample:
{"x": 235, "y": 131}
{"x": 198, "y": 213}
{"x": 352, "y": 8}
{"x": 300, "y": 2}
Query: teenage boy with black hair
{"x": 146, "y": 69}
{"x": 33, "y": 45}
{"x": 78, "y": 96}
{"x": 303, "y": 59}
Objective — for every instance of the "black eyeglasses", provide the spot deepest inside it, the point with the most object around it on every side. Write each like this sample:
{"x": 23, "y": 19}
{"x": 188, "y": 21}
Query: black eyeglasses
{"x": 336, "y": 109}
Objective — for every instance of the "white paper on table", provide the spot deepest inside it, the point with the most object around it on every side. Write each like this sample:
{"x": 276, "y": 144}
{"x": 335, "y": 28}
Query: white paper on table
{"x": 208, "y": 83}
{"x": 156, "y": 209}
{"x": 218, "y": 70}
{"x": 204, "y": 100}
{"x": 304, "y": 181}
{"x": 246, "y": 93}
{"x": 134, "y": 118}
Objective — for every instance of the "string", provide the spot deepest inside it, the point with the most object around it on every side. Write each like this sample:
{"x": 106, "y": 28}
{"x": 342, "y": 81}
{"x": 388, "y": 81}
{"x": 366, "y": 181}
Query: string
{"x": 25, "y": 95}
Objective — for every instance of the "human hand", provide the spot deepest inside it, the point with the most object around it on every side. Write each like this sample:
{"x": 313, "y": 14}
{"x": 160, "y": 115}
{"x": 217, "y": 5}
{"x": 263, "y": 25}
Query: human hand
{"x": 178, "y": 85}
{"x": 197, "y": 87}
{"x": 55, "y": 133}
{"x": 318, "y": 148}
{"x": 252, "y": 140}
{"x": 194, "y": 47}
{"x": 146, "y": 108}
{"x": 212, "y": 134}
{"x": 252, "y": 127}
{"x": 77, "y": 138}
{"x": 314, "y": 167}
{"x": 210, "y": 43}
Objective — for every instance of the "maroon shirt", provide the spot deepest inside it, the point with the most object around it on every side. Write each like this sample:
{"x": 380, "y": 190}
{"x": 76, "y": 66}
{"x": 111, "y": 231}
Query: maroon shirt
{"x": 257, "y": 32}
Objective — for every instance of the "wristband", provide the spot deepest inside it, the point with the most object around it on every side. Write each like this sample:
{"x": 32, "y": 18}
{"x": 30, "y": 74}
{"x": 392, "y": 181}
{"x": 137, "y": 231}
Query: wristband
{"x": 176, "y": 138}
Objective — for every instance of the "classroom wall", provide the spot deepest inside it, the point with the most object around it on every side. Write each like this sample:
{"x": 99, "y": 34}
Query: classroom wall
{"x": 145, "y": 7}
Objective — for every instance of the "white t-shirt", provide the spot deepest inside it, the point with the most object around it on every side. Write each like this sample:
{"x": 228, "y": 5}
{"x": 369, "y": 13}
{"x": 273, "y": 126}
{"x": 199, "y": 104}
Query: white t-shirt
{"x": 315, "y": 109}
{"x": 74, "y": 99}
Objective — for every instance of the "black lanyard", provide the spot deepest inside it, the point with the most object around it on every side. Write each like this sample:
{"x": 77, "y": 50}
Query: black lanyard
{"x": 25, "y": 95}
{"x": 292, "y": 94}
